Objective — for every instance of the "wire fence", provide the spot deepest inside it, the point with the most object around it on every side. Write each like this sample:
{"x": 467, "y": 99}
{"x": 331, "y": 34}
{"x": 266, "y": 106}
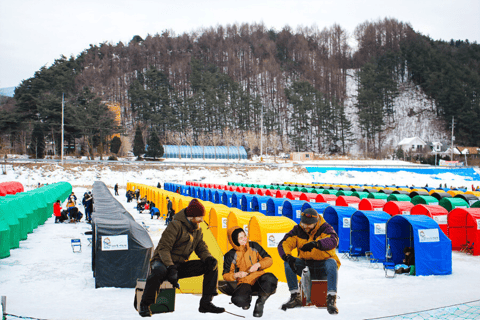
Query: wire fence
{"x": 469, "y": 310}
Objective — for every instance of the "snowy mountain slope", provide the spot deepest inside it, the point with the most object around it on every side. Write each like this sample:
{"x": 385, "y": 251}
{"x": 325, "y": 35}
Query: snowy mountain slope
{"x": 415, "y": 115}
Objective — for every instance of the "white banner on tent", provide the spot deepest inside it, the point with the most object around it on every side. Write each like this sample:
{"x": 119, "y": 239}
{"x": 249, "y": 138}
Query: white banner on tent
{"x": 224, "y": 223}
{"x": 312, "y": 200}
{"x": 299, "y": 213}
{"x": 428, "y": 235}
{"x": 405, "y": 213}
{"x": 470, "y": 202}
{"x": 440, "y": 219}
{"x": 264, "y": 206}
{"x": 380, "y": 228}
{"x": 346, "y": 223}
{"x": 478, "y": 224}
{"x": 353, "y": 205}
{"x": 273, "y": 239}
{"x": 280, "y": 211}
{"x": 114, "y": 243}
{"x": 332, "y": 203}
{"x": 377, "y": 209}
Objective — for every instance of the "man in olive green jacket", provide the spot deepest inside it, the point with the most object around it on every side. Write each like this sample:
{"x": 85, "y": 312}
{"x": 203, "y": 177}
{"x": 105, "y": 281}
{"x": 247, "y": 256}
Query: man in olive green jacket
{"x": 170, "y": 260}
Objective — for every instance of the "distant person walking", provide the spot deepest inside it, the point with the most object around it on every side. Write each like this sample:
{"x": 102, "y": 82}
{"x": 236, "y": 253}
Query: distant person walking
{"x": 116, "y": 189}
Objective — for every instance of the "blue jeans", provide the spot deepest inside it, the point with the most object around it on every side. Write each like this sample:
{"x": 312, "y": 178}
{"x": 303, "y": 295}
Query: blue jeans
{"x": 319, "y": 270}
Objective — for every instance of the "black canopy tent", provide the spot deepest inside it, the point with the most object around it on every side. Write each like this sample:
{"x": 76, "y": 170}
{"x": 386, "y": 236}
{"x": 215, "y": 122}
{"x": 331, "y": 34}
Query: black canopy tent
{"x": 121, "y": 248}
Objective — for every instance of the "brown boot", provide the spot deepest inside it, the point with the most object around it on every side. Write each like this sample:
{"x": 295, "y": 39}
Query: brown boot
{"x": 331, "y": 304}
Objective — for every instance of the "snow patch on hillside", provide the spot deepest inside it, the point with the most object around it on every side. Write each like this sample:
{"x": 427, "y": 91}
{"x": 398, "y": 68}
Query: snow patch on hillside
{"x": 415, "y": 115}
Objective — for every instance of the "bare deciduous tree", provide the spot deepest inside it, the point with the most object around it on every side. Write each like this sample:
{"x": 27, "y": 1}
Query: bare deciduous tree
{"x": 274, "y": 141}
{"x": 202, "y": 141}
{"x": 227, "y": 138}
{"x": 252, "y": 140}
{"x": 189, "y": 138}
{"x": 286, "y": 146}
{"x": 215, "y": 141}
{"x": 237, "y": 140}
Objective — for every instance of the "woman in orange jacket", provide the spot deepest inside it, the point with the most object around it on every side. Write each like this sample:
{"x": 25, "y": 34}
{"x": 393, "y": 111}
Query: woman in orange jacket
{"x": 246, "y": 264}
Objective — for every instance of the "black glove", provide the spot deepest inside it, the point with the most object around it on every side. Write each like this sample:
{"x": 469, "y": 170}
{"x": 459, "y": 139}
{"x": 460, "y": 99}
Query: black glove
{"x": 291, "y": 262}
{"x": 309, "y": 246}
{"x": 172, "y": 276}
{"x": 211, "y": 263}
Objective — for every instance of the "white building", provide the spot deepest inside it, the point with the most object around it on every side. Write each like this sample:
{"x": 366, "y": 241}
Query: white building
{"x": 414, "y": 144}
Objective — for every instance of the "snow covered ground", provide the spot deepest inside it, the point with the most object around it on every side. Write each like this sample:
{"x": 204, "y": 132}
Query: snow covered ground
{"x": 44, "y": 279}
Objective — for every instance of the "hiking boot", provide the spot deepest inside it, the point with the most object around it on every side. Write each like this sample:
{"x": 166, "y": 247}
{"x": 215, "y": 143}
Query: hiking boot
{"x": 331, "y": 304}
{"x": 206, "y": 305}
{"x": 258, "y": 311}
{"x": 295, "y": 301}
{"x": 144, "y": 311}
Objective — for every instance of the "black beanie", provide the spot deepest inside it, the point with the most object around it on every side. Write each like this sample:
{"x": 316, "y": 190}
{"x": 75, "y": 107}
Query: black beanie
{"x": 313, "y": 216}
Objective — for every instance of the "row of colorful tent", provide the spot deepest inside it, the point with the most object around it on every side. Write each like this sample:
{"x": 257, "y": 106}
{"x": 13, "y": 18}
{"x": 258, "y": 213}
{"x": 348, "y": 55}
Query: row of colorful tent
{"x": 437, "y": 206}
{"x": 11, "y": 187}
{"x": 338, "y": 214}
{"x": 22, "y": 212}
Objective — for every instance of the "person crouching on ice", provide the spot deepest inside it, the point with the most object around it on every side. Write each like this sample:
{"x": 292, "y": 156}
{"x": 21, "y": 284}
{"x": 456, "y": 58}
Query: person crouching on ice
{"x": 181, "y": 238}
{"x": 315, "y": 241}
{"x": 246, "y": 264}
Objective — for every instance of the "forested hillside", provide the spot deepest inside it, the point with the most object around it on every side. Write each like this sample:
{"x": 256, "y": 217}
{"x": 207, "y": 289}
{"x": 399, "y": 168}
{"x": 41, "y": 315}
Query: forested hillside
{"x": 214, "y": 85}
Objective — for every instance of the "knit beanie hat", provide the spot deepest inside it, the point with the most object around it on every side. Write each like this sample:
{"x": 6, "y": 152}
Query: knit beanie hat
{"x": 309, "y": 216}
{"x": 195, "y": 209}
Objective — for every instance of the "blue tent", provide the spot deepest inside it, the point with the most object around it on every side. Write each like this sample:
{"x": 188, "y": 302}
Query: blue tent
{"x": 275, "y": 206}
{"x": 259, "y": 203}
{"x": 367, "y": 231}
{"x": 237, "y": 200}
{"x": 433, "y": 250}
{"x": 210, "y": 195}
{"x": 318, "y": 206}
{"x": 293, "y": 209}
{"x": 199, "y": 193}
{"x": 217, "y": 196}
{"x": 339, "y": 218}
{"x": 227, "y": 198}
{"x": 247, "y": 202}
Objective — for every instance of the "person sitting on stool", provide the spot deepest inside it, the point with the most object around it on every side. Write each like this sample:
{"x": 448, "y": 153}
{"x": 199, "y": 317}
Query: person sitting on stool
{"x": 316, "y": 242}
{"x": 181, "y": 238}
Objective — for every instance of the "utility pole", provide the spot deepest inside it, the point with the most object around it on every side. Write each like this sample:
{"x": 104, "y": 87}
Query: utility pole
{"x": 261, "y": 133}
{"x": 453, "y": 137}
{"x": 63, "y": 124}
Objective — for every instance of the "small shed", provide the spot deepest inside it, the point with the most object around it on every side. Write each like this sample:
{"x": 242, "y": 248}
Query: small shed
{"x": 413, "y": 144}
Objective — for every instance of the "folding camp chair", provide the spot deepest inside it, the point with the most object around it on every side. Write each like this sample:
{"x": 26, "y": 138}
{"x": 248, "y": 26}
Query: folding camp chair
{"x": 389, "y": 268}
{"x": 373, "y": 261}
{"x": 354, "y": 253}
{"x": 76, "y": 245}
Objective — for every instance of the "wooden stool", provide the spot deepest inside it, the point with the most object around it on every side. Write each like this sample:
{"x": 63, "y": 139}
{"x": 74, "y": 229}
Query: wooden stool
{"x": 164, "y": 300}
{"x": 318, "y": 296}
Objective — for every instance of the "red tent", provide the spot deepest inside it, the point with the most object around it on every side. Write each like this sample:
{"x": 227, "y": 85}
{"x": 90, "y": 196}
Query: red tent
{"x": 11, "y": 187}
{"x": 437, "y": 213}
{"x": 394, "y": 208}
{"x": 271, "y": 193}
{"x": 464, "y": 228}
{"x": 347, "y": 201}
{"x": 261, "y": 191}
{"x": 328, "y": 198}
{"x": 371, "y": 204}
{"x": 309, "y": 197}
{"x": 281, "y": 193}
{"x": 294, "y": 195}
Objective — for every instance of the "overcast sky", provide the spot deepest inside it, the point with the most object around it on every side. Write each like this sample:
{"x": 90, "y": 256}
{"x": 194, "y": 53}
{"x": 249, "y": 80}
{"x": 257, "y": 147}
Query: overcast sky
{"x": 33, "y": 33}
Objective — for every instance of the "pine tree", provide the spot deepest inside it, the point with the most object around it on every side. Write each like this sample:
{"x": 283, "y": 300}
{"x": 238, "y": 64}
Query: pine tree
{"x": 37, "y": 144}
{"x": 154, "y": 148}
{"x": 138, "y": 144}
{"x": 115, "y": 145}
